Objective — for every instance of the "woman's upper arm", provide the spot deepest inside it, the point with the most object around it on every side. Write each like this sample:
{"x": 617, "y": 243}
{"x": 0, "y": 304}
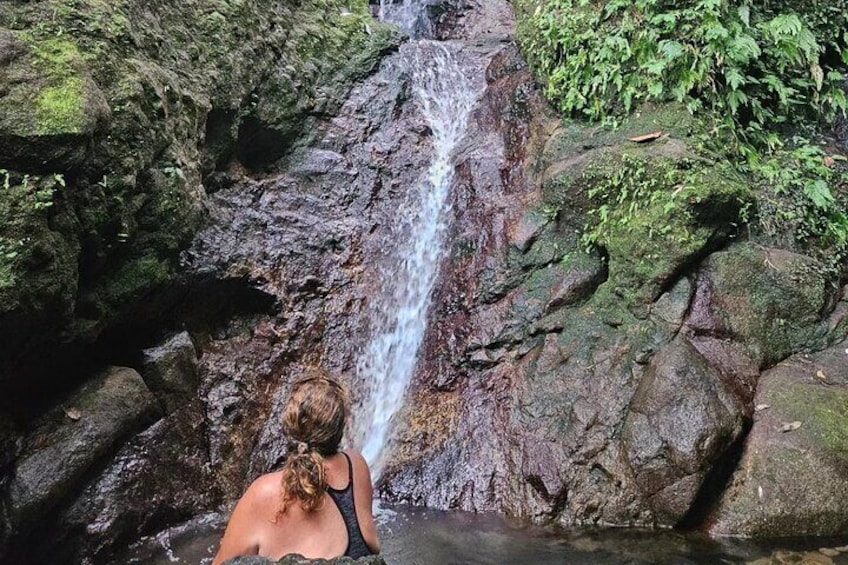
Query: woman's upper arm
{"x": 364, "y": 494}
{"x": 239, "y": 539}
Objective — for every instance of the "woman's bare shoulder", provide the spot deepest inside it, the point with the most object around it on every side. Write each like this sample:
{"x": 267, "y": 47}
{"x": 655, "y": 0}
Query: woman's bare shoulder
{"x": 356, "y": 458}
{"x": 360, "y": 465}
{"x": 265, "y": 489}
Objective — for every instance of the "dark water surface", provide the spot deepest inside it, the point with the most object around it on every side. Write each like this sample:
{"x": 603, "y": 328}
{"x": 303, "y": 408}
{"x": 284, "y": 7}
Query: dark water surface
{"x": 415, "y": 536}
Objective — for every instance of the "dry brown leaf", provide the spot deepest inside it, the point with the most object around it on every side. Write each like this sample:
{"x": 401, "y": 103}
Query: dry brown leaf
{"x": 647, "y": 137}
{"x": 820, "y": 375}
{"x": 73, "y": 414}
{"x": 790, "y": 426}
{"x": 829, "y": 161}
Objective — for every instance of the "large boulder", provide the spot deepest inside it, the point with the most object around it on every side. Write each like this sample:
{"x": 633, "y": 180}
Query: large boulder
{"x": 50, "y": 107}
{"x": 682, "y": 419}
{"x": 792, "y": 479}
{"x": 170, "y": 370}
{"x": 161, "y": 476}
{"x": 67, "y": 443}
{"x": 772, "y": 302}
{"x": 655, "y": 208}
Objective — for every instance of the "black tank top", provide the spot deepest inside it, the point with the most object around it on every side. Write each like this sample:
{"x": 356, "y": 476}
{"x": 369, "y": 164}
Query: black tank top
{"x": 356, "y": 546}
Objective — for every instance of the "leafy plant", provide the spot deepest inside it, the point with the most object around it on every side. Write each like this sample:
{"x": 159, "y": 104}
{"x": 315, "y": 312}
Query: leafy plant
{"x": 797, "y": 196}
{"x": 754, "y": 65}
{"x": 657, "y": 198}
{"x": 751, "y": 71}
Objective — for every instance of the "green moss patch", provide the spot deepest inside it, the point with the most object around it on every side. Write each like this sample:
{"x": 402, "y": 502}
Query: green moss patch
{"x": 770, "y": 299}
{"x": 60, "y": 109}
{"x": 655, "y": 214}
{"x": 60, "y": 104}
{"x": 823, "y": 413}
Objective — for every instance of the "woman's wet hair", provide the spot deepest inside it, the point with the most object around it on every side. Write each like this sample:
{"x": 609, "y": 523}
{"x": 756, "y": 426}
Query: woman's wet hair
{"x": 314, "y": 421}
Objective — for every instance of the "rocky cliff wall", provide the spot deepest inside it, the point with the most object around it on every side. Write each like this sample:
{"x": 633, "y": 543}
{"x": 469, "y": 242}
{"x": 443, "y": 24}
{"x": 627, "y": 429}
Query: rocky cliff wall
{"x": 621, "y": 385}
{"x": 118, "y": 118}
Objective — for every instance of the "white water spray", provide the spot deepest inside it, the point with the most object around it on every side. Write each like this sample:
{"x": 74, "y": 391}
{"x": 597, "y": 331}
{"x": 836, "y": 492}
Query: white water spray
{"x": 403, "y": 13}
{"x": 446, "y": 97}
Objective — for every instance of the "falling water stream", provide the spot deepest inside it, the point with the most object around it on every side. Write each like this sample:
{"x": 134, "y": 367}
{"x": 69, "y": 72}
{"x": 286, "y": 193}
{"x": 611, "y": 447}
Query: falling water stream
{"x": 403, "y": 13}
{"x": 446, "y": 96}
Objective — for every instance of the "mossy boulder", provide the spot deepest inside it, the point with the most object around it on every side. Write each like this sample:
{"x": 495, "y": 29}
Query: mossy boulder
{"x": 771, "y": 301}
{"x": 38, "y": 267}
{"x": 793, "y": 476}
{"x": 655, "y": 205}
{"x": 50, "y": 108}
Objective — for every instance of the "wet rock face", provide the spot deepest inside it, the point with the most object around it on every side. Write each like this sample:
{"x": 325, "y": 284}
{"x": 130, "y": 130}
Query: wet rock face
{"x": 682, "y": 418}
{"x": 196, "y": 97}
{"x": 67, "y": 442}
{"x": 792, "y": 477}
{"x": 560, "y": 386}
{"x": 170, "y": 370}
{"x": 554, "y": 383}
{"x": 161, "y": 476}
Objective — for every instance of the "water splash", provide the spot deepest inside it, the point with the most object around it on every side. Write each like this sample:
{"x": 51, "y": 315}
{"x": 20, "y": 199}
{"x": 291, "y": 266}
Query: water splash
{"x": 409, "y": 15}
{"x": 446, "y": 97}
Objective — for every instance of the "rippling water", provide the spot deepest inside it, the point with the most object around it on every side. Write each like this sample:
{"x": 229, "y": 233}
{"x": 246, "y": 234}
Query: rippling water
{"x": 415, "y": 536}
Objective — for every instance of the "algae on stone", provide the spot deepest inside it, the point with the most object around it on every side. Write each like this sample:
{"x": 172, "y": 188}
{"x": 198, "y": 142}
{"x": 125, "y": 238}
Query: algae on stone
{"x": 655, "y": 209}
{"x": 124, "y": 97}
{"x": 791, "y": 483}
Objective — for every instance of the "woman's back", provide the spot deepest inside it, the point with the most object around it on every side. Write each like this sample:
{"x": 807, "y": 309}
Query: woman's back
{"x": 319, "y": 504}
{"x": 317, "y": 534}
{"x": 322, "y": 533}
{"x": 257, "y": 526}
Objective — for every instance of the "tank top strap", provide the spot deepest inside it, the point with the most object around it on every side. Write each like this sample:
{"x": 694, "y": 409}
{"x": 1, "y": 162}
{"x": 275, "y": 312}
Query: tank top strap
{"x": 345, "y": 502}
{"x": 349, "y": 469}
{"x": 349, "y": 477}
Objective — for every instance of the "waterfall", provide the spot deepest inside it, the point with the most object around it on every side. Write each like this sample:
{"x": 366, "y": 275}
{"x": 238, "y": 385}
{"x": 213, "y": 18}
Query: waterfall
{"x": 446, "y": 97}
{"x": 406, "y": 14}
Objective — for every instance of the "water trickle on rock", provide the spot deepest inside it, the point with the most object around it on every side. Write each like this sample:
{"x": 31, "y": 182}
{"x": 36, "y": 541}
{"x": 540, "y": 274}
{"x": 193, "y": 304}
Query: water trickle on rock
{"x": 446, "y": 96}
{"x": 406, "y": 14}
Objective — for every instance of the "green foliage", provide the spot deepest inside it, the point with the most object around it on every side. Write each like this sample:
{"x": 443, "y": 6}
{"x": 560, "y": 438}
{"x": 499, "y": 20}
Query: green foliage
{"x": 751, "y": 71}
{"x": 25, "y": 201}
{"x": 802, "y": 192}
{"x": 753, "y": 64}
{"x": 654, "y": 213}
{"x": 624, "y": 192}
{"x": 676, "y": 196}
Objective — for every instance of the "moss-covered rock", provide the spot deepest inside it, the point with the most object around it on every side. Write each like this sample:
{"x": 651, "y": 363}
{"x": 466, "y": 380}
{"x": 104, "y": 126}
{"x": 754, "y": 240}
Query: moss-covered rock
{"x": 136, "y": 103}
{"x": 771, "y": 301}
{"x": 50, "y": 107}
{"x": 38, "y": 267}
{"x": 655, "y": 207}
{"x": 792, "y": 478}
